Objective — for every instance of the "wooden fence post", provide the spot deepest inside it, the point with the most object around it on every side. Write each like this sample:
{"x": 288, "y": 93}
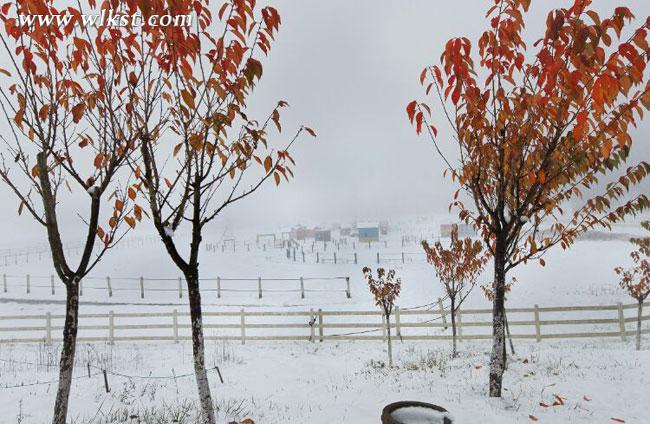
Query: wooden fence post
{"x": 111, "y": 328}
{"x": 348, "y": 293}
{"x": 312, "y": 320}
{"x": 398, "y": 329}
{"x": 218, "y": 287}
{"x": 110, "y": 288}
{"x": 355, "y": 258}
{"x": 459, "y": 324}
{"x": 180, "y": 288}
{"x": 175, "y": 323}
{"x": 402, "y": 257}
{"x": 48, "y": 328}
{"x": 334, "y": 258}
{"x": 442, "y": 313}
{"x": 52, "y": 285}
{"x": 302, "y": 288}
{"x": 538, "y": 330}
{"x": 243, "y": 326}
{"x": 320, "y": 324}
{"x": 28, "y": 284}
{"x": 303, "y": 256}
{"x": 141, "y": 287}
{"x": 259, "y": 287}
{"x": 621, "y": 321}
{"x": 317, "y": 257}
{"x": 4, "y": 282}
{"x": 377, "y": 257}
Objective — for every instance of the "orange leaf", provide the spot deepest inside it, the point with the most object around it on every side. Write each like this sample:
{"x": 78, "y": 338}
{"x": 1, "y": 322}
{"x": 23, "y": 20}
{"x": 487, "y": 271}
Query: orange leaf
{"x": 188, "y": 98}
{"x": 130, "y": 221}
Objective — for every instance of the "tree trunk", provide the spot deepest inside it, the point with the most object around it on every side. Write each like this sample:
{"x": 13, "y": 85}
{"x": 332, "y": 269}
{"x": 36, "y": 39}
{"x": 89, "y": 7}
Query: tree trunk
{"x": 66, "y": 363}
{"x": 639, "y": 316}
{"x": 497, "y": 358}
{"x": 390, "y": 344}
{"x": 454, "y": 352}
{"x": 198, "y": 349}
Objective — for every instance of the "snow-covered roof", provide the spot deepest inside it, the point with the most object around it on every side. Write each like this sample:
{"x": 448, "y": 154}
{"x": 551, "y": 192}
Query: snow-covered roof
{"x": 368, "y": 225}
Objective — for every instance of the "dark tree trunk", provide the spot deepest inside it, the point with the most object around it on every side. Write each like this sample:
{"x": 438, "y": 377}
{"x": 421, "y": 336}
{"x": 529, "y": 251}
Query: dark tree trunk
{"x": 454, "y": 352}
{"x": 66, "y": 364}
{"x": 198, "y": 349}
{"x": 498, "y": 357}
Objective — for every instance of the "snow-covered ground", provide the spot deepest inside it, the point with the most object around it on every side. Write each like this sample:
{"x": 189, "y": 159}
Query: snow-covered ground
{"x": 337, "y": 383}
{"x": 343, "y": 382}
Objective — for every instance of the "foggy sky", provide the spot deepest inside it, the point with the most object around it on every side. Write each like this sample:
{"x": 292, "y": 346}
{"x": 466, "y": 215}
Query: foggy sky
{"x": 348, "y": 69}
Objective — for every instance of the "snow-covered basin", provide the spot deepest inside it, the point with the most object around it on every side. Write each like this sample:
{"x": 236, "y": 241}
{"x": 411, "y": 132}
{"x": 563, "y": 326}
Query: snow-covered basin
{"x": 418, "y": 415}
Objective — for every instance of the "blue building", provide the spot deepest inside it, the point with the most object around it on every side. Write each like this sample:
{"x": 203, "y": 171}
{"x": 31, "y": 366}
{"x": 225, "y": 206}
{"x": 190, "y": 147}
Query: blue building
{"x": 368, "y": 231}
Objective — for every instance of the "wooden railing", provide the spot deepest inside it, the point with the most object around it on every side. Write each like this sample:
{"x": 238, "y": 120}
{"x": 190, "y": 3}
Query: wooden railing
{"x": 537, "y": 323}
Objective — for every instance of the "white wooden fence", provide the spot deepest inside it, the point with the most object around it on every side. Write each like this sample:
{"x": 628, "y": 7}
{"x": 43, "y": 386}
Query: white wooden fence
{"x": 536, "y": 323}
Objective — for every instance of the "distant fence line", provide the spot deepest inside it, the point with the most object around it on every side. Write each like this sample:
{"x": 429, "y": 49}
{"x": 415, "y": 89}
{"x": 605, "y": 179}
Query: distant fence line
{"x": 320, "y": 325}
{"x": 354, "y": 257}
{"x": 218, "y": 285}
{"x": 36, "y": 254}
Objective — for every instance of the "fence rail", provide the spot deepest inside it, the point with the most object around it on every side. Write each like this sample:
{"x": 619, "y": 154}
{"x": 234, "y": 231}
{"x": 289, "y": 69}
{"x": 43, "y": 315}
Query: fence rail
{"x": 260, "y": 285}
{"x": 313, "y": 325}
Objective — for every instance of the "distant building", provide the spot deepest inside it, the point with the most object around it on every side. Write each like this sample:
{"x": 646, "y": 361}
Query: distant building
{"x": 346, "y": 231}
{"x": 464, "y": 230}
{"x": 299, "y": 232}
{"x": 368, "y": 231}
{"x": 323, "y": 235}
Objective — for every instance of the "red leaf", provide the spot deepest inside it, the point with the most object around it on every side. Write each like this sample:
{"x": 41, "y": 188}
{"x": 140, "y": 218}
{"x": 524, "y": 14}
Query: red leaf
{"x": 418, "y": 121}
{"x": 410, "y": 110}
{"x": 310, "y": 131}
{"x": 78, "y": 112}
{"x": 533, "y": 418}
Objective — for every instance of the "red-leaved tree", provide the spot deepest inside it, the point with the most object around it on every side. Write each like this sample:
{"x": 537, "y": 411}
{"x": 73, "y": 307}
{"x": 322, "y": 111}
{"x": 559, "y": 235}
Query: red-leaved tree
{"x": 457, "y": 267}
{"x": 636, "y": 280}
{"x": 538, "y": 129}
{"x": 385, "y": 289}
{"x": 200, "y": 151}
{"x": 71, "y": 133}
